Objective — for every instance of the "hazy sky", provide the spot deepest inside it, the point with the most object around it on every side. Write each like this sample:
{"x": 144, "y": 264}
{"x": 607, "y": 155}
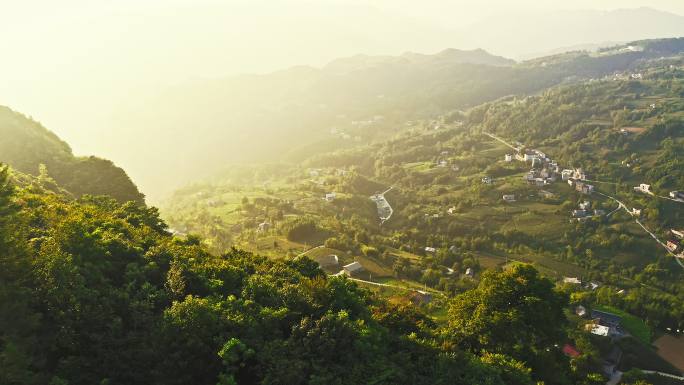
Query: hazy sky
{"x": 72, "y": 63}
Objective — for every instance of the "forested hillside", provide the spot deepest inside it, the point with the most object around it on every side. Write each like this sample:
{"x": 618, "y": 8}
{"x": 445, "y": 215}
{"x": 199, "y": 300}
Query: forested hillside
{"x": 447, "y": 199}
{"x": 26, "y": 145}
{"x": 95, "y": 292}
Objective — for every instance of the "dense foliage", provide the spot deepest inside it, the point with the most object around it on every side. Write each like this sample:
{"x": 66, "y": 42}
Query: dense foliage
{"x": 93, "y": 291}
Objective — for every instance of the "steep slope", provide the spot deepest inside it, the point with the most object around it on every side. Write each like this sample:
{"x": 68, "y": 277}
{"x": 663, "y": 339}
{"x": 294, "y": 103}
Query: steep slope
{"x": 26, "y": 145}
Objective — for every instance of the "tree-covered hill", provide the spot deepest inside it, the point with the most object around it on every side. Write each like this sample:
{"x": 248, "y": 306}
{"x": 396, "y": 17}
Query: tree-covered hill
{"x": 26, "y": 145}
{"x": 97, "y": 292}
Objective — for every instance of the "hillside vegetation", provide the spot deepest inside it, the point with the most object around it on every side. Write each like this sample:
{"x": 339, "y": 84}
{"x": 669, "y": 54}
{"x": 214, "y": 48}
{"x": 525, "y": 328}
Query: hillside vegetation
{"x": 26, "y": 145}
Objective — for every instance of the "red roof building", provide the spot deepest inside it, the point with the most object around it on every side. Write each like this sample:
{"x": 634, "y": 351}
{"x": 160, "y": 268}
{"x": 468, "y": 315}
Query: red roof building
{"x": 570, "y": 351}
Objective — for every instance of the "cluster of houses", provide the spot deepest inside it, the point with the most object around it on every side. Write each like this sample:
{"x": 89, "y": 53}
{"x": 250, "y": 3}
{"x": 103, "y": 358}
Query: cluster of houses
{"x": 674, "y": 244}
{"x": 584, "y": 212}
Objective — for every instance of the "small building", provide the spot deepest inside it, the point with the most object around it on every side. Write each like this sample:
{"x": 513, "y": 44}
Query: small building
{"x": 469, "y": 272}
{"x": 263, "y": 227}
{"x": 509, "y": 198}
{"x": 566, "y": 174}
{"x": 572, "y": 280}
{"x": 330, "y": 196}
{"x": 636, "y": 211}
{"x": 579, "y": 213}
{"x": 606, "y": 319}
{"x": 580, "y": 310}
{"x": 508, "y": 158}
{"x": 330, "y": 260}
{"x": 672, "y": 246}
{"x": 599, "y": 212}
{"x": 593, "y": 285}
{"x": 678, "y": 233}
{"x": 584, "y": 188}
{"x": 643, "y": 188}
{"x": 352, "y": 268}
{"x": 487, "y": 180}
{"x": 571, "y": 351}
{"x": 600, "y": 330}
{"x": 429, "y": 249}
{"x": 443, "y": 163}
{"x": 451, "y": 210}
{"x": 586, "y": 205}
{"x": 677, "y": 195}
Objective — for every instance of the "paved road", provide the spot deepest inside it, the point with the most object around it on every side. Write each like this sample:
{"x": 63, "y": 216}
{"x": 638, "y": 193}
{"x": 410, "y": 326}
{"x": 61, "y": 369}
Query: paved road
{"x": 501, "y": 140}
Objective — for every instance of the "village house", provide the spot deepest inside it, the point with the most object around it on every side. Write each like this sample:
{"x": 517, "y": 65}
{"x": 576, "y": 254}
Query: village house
{"x": 352, "y": 268}
{"x": 330, "y": 196}
{"x": 508, "y": 158}
{"x": 599, "y": 330}
{"x": 586, "y": 205}
{"x": 584, "y": 188}
{"x": 643, "y": 188}
{"x": 677, "y": 195}
{"x": 509, "y": 198}
{"x": 469, "y": 272}
{"x": 429, "y": 249}
{"x": 580, "y": 310}
{"x": 566, "y": 174}
{"x": 579, "y": 213}
{"x": 570, "y": 351}
{"x": 611, "y": 321}
{"x": 672, "y": 246}
{"x": 599, "y": 212}
{"x": 451, "y": 210}
{"x": 572, "y": 280}
{"x": 520, "y": 157}
{"x": 678, "y": 233}
{"x": 636, "y": 211}
{"x": 263, "y": 227}
{"x": 442, "y": 163}
{"x": 487, "y": 180}
{"x": 578, "y": 173}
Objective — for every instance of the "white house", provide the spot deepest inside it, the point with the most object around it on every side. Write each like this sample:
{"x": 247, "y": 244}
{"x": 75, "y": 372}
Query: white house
{"x": 330, "y": 196}
{"x": 469, "y": 272}
{"x": 509, "y": 198}
{"x": 263, "y": 227}
{"x": 487, "y": 180}
{"x": 352, "y": 268}
{"x": 566, "y": 174}
{"x": 508, "y": 158}
{"x": 573, "y": 280}
{"x": 429, "y": 249}
{"x": 600, "y": 330}
{"x": 586, "y": 205}
{"x": 678, "y": 233}
{"x": 643, "y": 188}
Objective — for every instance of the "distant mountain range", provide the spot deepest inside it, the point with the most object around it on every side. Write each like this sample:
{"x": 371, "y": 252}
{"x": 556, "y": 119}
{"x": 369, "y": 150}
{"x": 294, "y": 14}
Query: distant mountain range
{"x": 544, "y": 33}
{"x": 195, "y": 130}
